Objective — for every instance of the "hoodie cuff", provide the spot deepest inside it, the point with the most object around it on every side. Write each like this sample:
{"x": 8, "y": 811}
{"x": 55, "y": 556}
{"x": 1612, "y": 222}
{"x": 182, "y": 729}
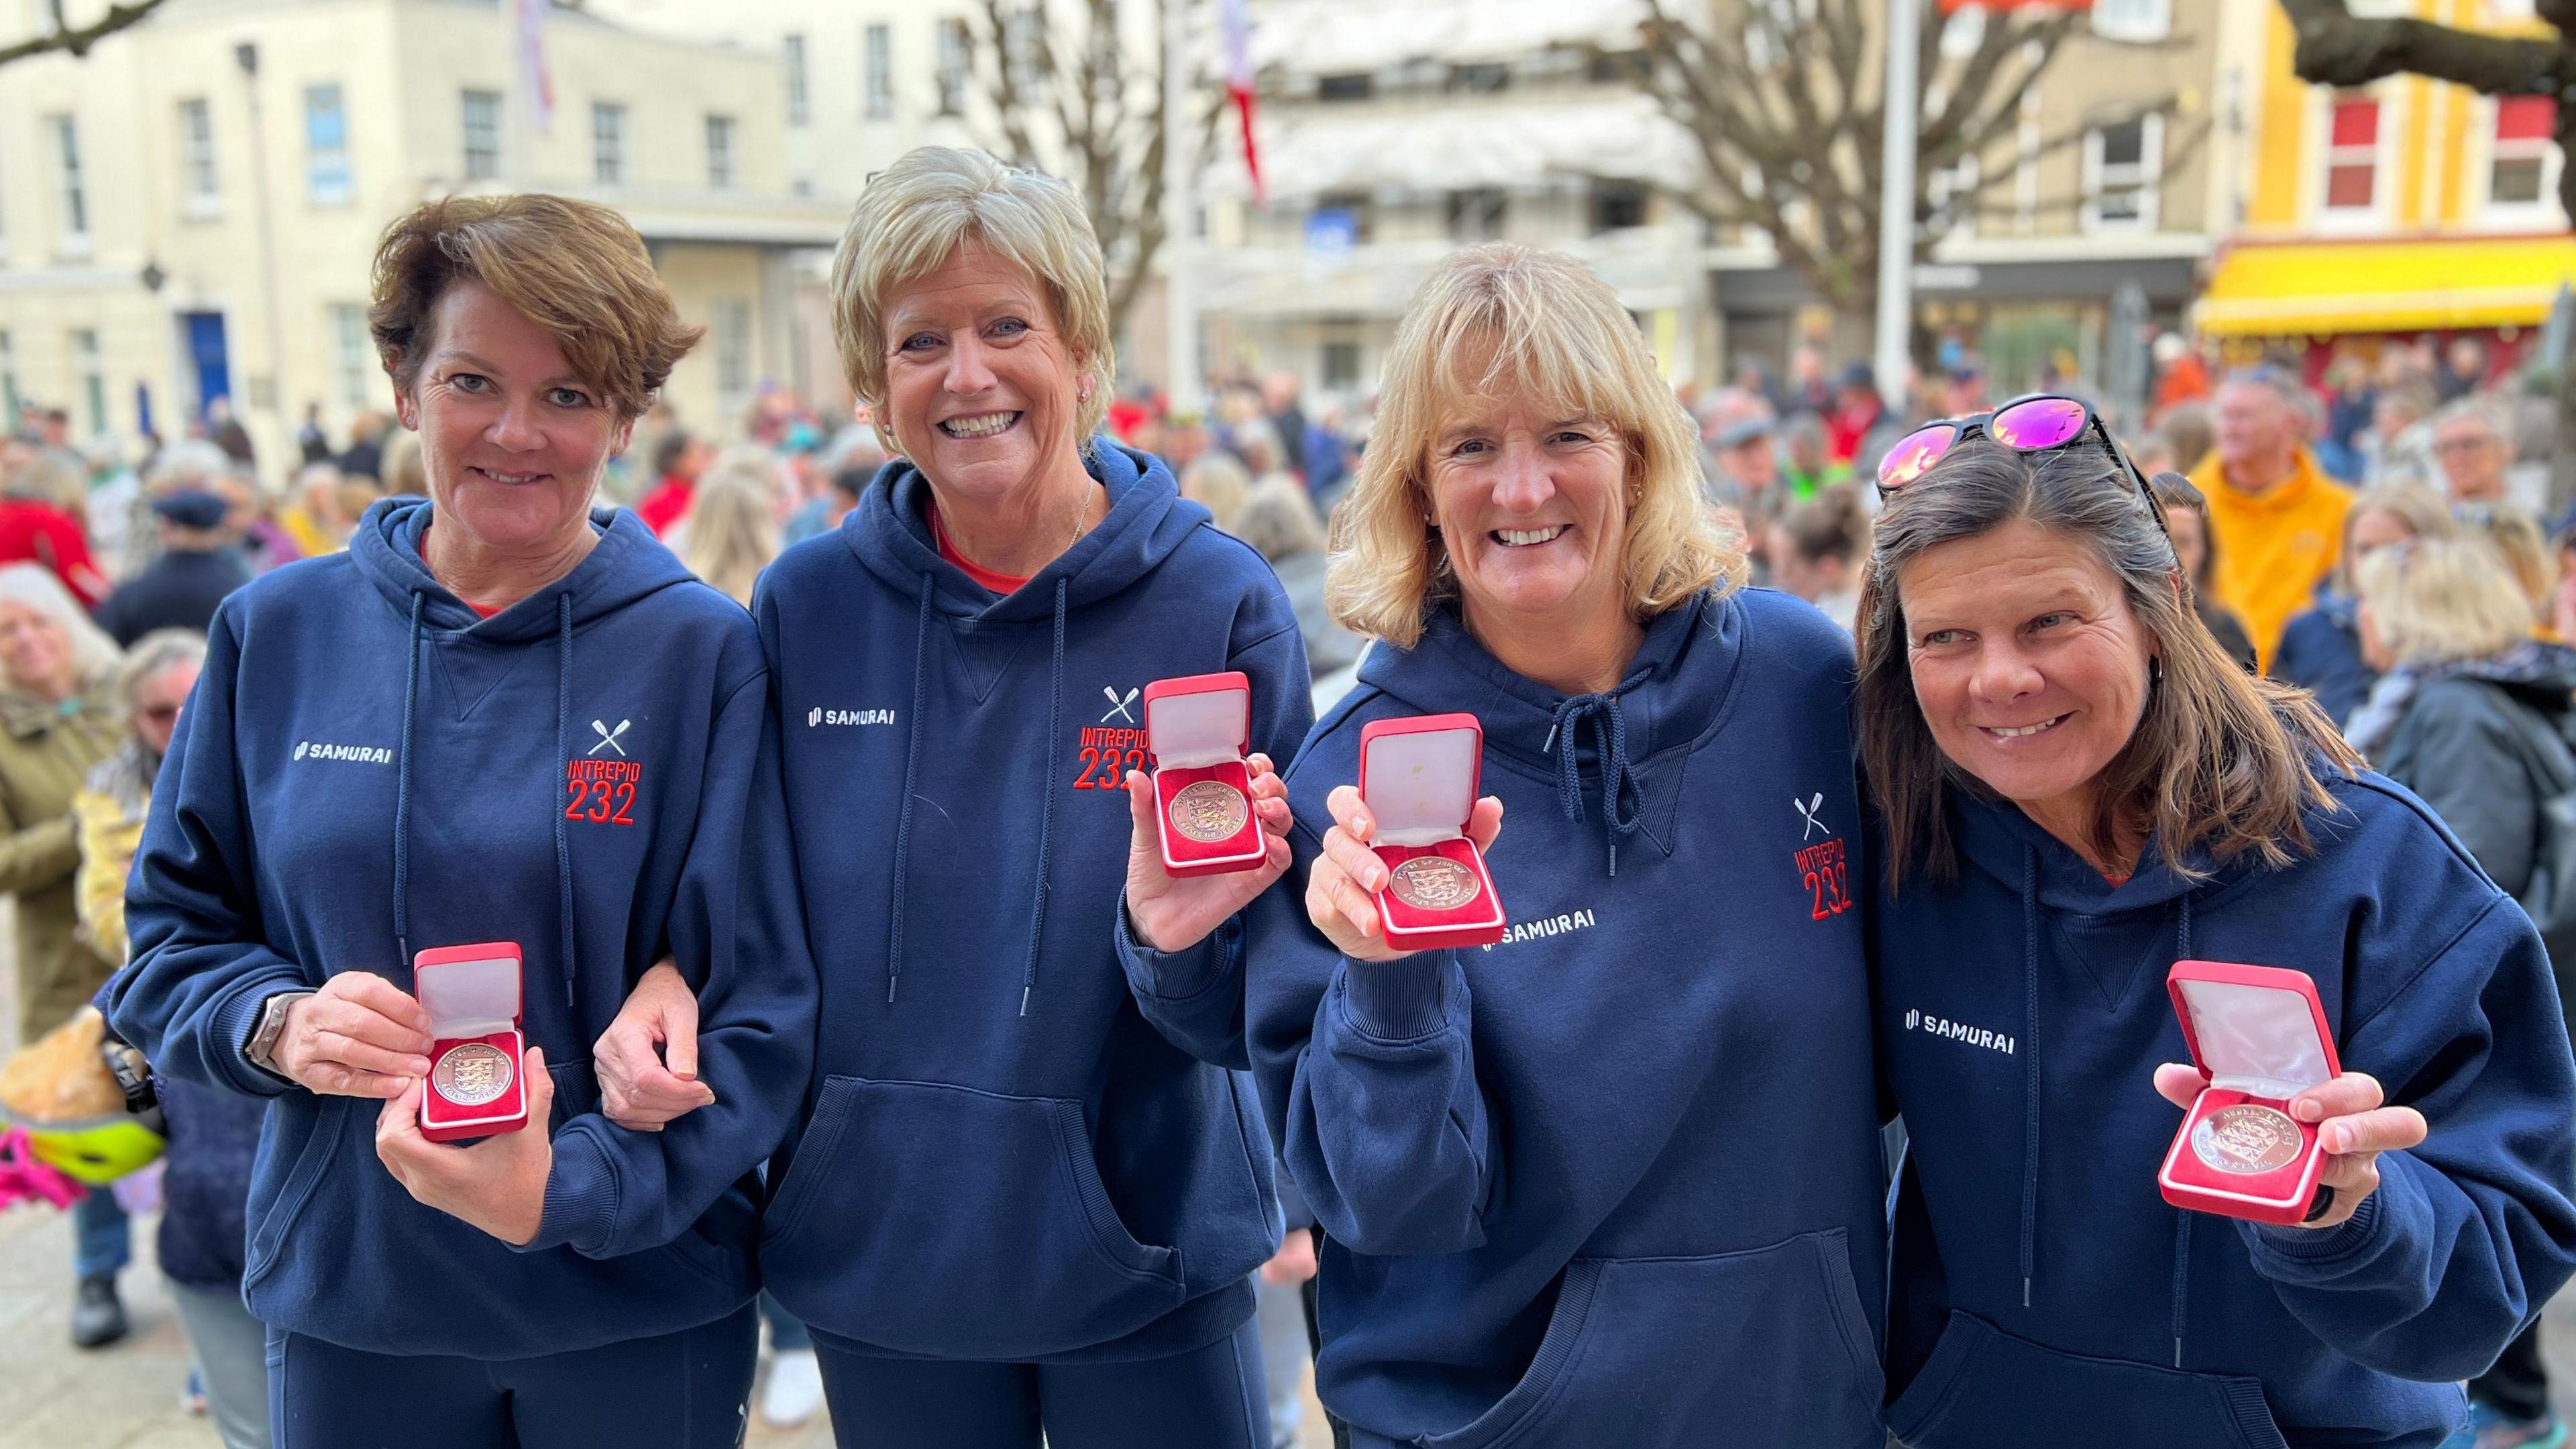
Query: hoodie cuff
{"x": 1398, "y": 1000}
{"x": 234, "y": 1019}
{"x": 1183, "y": 974}
{"x": 581, "y": 1198}
{"x": 2322, "y": 1252}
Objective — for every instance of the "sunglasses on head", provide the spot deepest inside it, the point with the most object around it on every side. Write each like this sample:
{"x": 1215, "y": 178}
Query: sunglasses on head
{"x": 2026, "y": 425}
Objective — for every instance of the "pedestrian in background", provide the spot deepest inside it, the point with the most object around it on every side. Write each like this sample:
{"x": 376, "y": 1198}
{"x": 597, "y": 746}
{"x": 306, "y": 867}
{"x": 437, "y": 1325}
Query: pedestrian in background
{"x": 211, "y": 1137}
{"x": 1279, "y": 521}
{"x": 2196, "y": 546}
{"x": 2472, "y": 715}
{"x": 731, "y": 530}
{"x": 2321, "y": 649}
{"x": 1817, "y": 551}
{"x": 678, "y": 458}
{"x": 40, "y": 523}
{"x": 200, "y": 563}
{"x": 2279, "y": 515}
{"x": 1220, "y": 485}
{"x": 2473, "y": 443}
{"x": 57, "y": 721}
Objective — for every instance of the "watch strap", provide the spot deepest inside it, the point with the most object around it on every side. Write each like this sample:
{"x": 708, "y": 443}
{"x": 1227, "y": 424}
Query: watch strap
{"x": 261, "y": 1050}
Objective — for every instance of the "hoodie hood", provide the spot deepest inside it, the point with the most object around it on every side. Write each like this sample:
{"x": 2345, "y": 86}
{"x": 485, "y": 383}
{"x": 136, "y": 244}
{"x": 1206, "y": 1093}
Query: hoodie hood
{"x": 1147, "y": 519}
{"x": 1623, "y": 746}
{"x": 627, "y": 564}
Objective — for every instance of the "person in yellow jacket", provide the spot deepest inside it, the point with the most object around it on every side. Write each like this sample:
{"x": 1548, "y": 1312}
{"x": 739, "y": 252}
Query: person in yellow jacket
{"x": 108, "y": 809}
{"x": 2277, "y": 517}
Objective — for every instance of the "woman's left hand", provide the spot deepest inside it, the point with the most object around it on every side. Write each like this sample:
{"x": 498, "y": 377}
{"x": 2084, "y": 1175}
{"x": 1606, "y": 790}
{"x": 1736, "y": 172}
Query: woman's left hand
{"x": 499, "y": 1183}
{"x": 2353, "y": 1125}
{"x": 1174, "y": 914}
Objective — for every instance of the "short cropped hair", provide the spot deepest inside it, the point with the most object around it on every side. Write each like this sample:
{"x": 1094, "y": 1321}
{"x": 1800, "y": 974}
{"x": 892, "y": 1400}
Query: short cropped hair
{"x": 1499, "y": 321}
{"x": 575, "y": 268}
{"x": 933, "y": 200}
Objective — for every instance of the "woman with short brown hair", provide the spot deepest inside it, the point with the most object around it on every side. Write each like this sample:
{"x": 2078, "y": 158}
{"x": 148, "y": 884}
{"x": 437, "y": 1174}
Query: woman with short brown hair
{"x": 507, "y": 720}
{"x": 2076, "y": 789}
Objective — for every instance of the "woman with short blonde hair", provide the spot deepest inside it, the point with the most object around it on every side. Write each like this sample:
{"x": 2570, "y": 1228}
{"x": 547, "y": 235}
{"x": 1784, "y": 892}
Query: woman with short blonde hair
{"x": 731, "y": 531}
{"x": 504, "y": 719}
{"x": 1553, "y": 1174}
{"x": 1021, "y": 1203}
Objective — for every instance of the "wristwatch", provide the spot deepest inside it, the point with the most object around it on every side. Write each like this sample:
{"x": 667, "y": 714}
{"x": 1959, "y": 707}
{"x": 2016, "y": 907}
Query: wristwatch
{"x": 261, "y": 1049}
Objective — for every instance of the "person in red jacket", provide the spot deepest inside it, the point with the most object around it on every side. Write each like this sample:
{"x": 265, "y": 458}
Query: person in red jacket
{"x": 36, "y": 527}
{"x": 677, "y": 460}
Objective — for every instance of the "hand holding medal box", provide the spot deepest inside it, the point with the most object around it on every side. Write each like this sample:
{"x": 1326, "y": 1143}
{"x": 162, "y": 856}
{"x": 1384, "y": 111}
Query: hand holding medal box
{"x": 1198, "y": 729}
{"x": 1419, "y": 778}
{"x": 475, "y": 1086}
{"x": 2258, "y": 1035}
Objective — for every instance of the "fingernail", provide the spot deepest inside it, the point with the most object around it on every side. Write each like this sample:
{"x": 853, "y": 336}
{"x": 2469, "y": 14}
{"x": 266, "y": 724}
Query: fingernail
{"x": 2307, "y": 1111}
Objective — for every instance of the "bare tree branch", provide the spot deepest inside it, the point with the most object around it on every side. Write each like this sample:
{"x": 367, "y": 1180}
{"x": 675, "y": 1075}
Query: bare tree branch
{"x": 76, "y": 40}
{"x": 2337, "y": 48}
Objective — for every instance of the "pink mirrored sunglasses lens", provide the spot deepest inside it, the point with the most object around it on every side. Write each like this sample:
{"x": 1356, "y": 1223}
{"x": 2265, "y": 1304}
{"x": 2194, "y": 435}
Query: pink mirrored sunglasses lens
{"x": 1914, "y": 454}
{"x": 2046, "y": 422}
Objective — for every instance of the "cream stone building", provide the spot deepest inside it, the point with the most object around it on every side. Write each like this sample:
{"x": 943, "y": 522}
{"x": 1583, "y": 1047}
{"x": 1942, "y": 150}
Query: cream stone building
{"x": 189, "y": 212}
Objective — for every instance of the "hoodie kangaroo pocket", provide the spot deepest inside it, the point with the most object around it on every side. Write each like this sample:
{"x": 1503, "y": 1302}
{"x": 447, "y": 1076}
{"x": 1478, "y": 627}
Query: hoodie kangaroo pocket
{"x": 1766, "y": 1346}
{"x": 958, "y": 1223}
{"x": 324, "y": 1119}
{"x": 1983, "y": 1388}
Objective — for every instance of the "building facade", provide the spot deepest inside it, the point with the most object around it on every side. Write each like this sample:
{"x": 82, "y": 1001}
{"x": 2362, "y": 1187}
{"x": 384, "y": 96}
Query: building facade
{"x": 2405, "y": 209}
{"x": 189, "y": 213}
{"x": 2098, "y": 204}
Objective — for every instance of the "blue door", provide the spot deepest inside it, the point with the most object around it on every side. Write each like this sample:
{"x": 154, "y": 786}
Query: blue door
{"x": 206, "y": 353}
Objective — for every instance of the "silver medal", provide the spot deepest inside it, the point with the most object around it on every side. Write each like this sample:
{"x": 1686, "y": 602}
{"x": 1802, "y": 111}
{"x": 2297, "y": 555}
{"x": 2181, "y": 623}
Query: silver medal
{"x": 472, "y": 1074}
{"x": 1209, "y": 812}
{"x": 1433, "y": 883}
{"x": 2246, "y": 1140}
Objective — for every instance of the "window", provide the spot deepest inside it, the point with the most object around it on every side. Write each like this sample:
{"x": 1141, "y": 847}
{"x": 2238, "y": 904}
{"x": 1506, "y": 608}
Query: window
{"x": 956, "y": 63}
{"x": 607, "y": 143}
{"x": 2133, "y": 19}
{"x": 1476, "y": 215}
{"x": 720, "y": 151}
{"x": 1341, "y": 365}
{"x": 733, "y": 348}
{"x": 2122, "y": 166}
{"x": 2522, "y": 170}
{"x": 1617, "y": 206}
{"x": 880, "y": 76}
{"x": 1345, "y": 88}
{"x": 1023, "y": 47}
{"x": 2352, "y": 153}
{"x": 1480, "y": 79}
{"x": 1622, "y": 67}
{"x": 353, "y": 353}
{"x": 197, "y": 187}
{"x": 67, "y": 154}
{"x": 1954, "y": 189}
{"x": 93, "y": 381}
{"x": 1341, "y": 218}
{"x": 326, "y": 147}
{"x": 482, "y": 118}
{"x": 791, "y": 50}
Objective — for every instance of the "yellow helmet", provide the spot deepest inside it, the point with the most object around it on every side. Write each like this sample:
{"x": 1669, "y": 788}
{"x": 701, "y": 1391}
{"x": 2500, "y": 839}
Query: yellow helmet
{"x": 96, "y": 1152}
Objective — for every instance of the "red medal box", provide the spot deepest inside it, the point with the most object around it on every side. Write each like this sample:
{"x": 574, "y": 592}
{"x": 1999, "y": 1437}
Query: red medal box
{"x": 2258, "y": 1034}
{"x": 472, "y": 996}
{"x": 1197, "y": 729}
{"x": 1419, "y": 778}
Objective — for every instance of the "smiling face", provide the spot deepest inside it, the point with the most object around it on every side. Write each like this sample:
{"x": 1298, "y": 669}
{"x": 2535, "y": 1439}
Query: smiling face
{"x": 981, "y": 386}
{"x": 35, "y": 650}
{"x": 2028, "y": 663}
{"x": 513, "y": 443}
{"x": 1534, "y": 512}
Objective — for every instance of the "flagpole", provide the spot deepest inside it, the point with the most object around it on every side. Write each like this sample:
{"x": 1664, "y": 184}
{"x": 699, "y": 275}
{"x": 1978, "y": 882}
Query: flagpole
{"x": 1896, "y": 201}
{"x": 1180, "y": 215}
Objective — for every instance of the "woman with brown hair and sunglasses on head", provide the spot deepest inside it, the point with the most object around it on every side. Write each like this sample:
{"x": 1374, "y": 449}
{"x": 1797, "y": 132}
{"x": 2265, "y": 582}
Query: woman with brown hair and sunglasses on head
{"x": 2077, "y": 788}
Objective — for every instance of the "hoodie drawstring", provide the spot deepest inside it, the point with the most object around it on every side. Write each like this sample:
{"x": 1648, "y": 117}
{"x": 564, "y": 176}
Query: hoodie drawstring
{"x": 1610, "y": 746}
{"x": 2182, "y": 1220}
{"x": 1046, "y": 810}
{"x": 2029, "y": 1071}
{"x": 903, "y": 813}
{"x": 563, "y": 773}
{"x": 402, "y": 789}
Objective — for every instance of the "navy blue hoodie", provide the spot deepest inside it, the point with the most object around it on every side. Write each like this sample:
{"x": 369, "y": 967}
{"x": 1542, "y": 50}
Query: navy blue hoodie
{"x": 2045, "y": 1294}
{"x": 1614, "y": 1181}
{"x": 367, "y": 770}
{"x": 1017, "y": 1151}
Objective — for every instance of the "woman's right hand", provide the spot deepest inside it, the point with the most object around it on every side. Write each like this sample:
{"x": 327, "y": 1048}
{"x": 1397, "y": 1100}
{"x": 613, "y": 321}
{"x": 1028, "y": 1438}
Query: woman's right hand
{"x": 641, "y": 1089}
{"x": 1342, "y": 883}
{"x": 359, "y": 1036}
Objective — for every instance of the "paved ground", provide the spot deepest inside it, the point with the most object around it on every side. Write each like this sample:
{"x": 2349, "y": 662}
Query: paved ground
{"x": 53, "y": 1396}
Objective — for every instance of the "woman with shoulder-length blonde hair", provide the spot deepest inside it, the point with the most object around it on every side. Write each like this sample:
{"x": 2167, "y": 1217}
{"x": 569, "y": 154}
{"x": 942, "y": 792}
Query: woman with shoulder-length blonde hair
{"x": 1022, "y": 1203}
{"x": 2077, "y": 788}
{"x": 2321, "y": 648}
{"x": 1615, "y": 1179}
{"x": 731, "y": 531}
{"x": 504, "y": 720}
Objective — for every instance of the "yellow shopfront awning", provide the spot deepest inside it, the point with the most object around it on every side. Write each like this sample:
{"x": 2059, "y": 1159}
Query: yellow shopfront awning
{"x": 2325, "y": 288}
